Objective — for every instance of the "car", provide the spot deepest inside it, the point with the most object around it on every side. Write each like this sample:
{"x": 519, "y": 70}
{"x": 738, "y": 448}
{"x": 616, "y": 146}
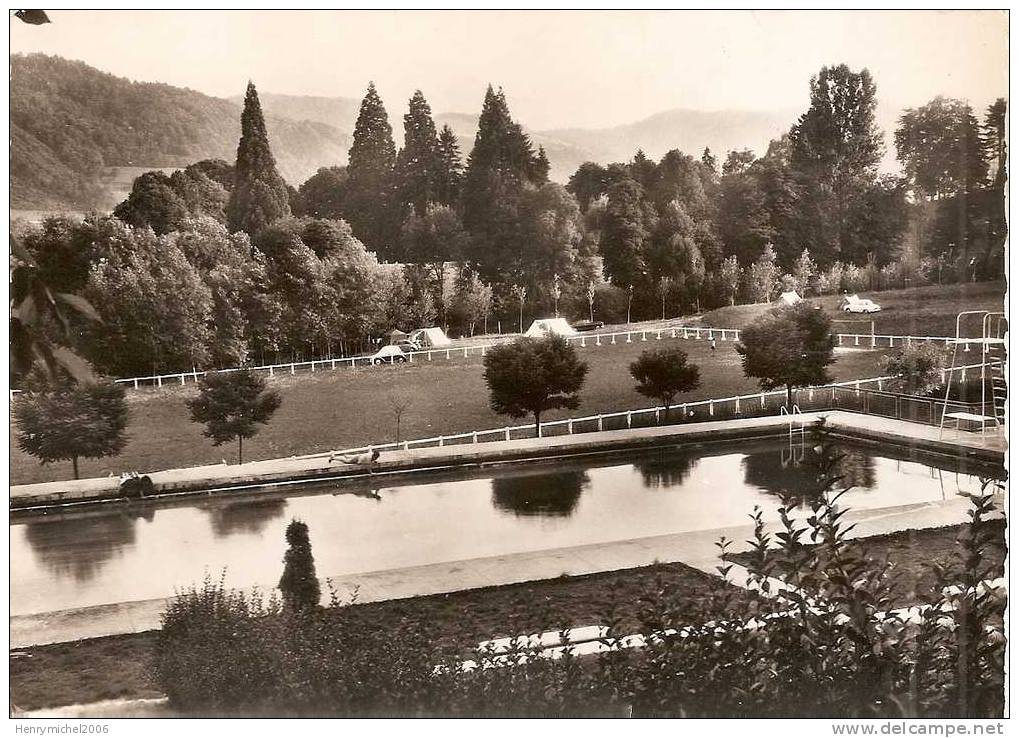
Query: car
{"x": 854, "y": 304}
{"x": 409, "y": 344}
{"x": 588, "y": 325}
{"x": 390, "y": 355}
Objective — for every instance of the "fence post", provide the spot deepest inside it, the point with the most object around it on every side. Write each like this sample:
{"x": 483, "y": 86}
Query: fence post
{"x": 737, "y": 404}
{"x": 629, "y": 338}
{"x": 643, "y": 335}
{"x": 698, "y": 334}
{"x": 629, "y": 419}
{"x": 659, "y": 335}
{"x": 181, "y": 380}
{"x": 762, "y": 400}
{"x": 159, "y": 381}
{"x": 857, "y": 342}
{"x": 447, "y": 353}
{"x": 711, "y": 408}
{"x": 658, "y": 417}
{"x": 840, "y": 339}
{"x": 507, "y": 433}
{"x": 441, "y": 440}
{"x": 673, "y": 333}
{"x": 474, "y": 437}
{"x": 600, "y": 426}
{"x": 136, "y": 383}
{"x": 833, "y": 394}
{"x": 597, "y": 340}
{"x": 569, "y": 426}
{"x": 291, "y": 368}
{"x": 270, "y": 372}
{"x": 583, "y": 343}
{"x": 879, "y": 384}
{"x": 539, "y": 430}
{"x": 613, "y": 339}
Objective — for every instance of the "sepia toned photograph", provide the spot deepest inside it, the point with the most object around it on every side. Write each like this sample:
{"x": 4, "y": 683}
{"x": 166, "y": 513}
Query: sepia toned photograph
{"x": 508, "y": 364}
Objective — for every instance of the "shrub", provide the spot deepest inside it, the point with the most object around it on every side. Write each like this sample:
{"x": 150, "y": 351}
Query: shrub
{"x": 299, "y": 584}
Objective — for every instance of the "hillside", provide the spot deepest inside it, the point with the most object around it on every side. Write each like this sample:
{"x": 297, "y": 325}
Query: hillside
{"x": 72, "y": 124}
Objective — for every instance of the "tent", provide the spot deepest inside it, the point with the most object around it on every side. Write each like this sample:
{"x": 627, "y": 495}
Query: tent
{"x": 395, "y": 335}
{"x": 544, "y": 326}
{"x": 430, "y": 337}
{"x": 790, "y": 298}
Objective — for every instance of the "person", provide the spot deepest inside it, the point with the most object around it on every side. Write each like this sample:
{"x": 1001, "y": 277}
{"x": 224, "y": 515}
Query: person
{"x": 363, "y": 459}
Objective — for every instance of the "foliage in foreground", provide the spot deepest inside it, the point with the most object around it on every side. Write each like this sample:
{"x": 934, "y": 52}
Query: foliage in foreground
{"x": 832, "y": 648}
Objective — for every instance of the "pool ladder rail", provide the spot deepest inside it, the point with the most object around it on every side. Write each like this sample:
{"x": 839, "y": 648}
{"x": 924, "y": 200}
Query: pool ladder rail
{"x": 792, "y": 414}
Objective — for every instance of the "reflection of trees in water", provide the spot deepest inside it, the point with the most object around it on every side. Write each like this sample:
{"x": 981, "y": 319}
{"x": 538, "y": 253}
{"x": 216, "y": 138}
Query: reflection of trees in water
{"x": 665, "y": 471}
{"x": 791, "y": 474}
{"x": 80, "y": 546}
{"x": 248, "y": 516}
{"x": 553, "y": 494}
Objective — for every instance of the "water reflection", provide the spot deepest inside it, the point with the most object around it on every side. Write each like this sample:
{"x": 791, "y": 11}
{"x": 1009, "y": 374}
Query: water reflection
{"x": 79, "y": 547}
{"x": 791, "y": 472}
{"x": 665, "y": 472}
{"x": 245, "y": 517}
{"x": 543, "y": 493}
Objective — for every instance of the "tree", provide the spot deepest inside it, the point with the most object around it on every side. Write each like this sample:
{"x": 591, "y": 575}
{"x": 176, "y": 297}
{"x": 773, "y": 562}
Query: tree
{"x": 322, "y": 194}
{"x": 588, "y": 183}
{"x": 836, "y": 147}
{"x": 520, "y": 292}
{"x": 299, "y": 583}
{"x": 532, "y": 375}
{"x": 65, "y": 421}
{"x": 626, "y": 230}
{"x": 418, "y": 164}
{"x": 232, "y": 405}
{"x": 764, "y": 274}
{"x": 804, "y": 272}
{"x": 918, "y": 367}
{"x": 368, "y": 204}
{"x": 729, "y": 276}
{"x": 259, "y": 195}
{"x": 790, "y": 346}
{"x": 662, "y": 374}
{"x": 153, "y": 202}
{"x": 939, "y": 146}
{"x": 473, "y": 300}
{"x": 430, "y": 239}
{"x": 155, "y": 307}
{"x": 449, "y": 178}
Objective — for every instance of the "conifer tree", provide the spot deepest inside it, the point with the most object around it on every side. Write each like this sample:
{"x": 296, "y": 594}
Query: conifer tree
{"x": 299, "y": 583}
{"x": 259, "y": 196}
{"x": 418, "y": 164}
{"x": 451, "y": 170}
{"x": 369, "y": 207}
{"x": 541, "y": 167}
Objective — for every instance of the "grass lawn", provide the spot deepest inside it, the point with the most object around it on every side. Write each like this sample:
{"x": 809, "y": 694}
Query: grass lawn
{"x": 913, "y": 552}
{"x": 121, "y": 666}
{"x": 344, "y": 408}
{"x": 918, "y": 311}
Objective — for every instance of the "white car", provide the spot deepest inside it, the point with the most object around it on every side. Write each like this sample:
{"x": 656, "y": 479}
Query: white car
{"x": 390, "y": 355}
{"x": 854, "y": 304}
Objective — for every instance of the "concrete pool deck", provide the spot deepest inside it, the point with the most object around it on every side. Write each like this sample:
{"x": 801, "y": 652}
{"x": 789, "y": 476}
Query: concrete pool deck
{"x": 694, "y": 548}
{"x": 273, "y": 473}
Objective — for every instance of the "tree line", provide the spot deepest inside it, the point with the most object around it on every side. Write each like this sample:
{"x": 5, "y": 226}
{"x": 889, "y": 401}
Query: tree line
{"x": 224, "y": 264}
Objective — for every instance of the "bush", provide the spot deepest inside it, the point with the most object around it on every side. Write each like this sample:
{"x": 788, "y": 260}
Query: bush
{"x": 831, "y": 647}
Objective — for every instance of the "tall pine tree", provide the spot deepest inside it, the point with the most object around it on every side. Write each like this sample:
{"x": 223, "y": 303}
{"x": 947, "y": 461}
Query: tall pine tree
{"x": 259, "y": 196}
{"x": 501, "y": 164}
{"x": 369, "y": 202}
{"x": 451, "y": 169}
{"x": 418, "y": 164}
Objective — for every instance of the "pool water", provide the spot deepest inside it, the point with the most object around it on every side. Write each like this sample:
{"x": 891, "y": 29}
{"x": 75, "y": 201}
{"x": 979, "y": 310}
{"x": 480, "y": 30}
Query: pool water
{"x": 142, "y": 551}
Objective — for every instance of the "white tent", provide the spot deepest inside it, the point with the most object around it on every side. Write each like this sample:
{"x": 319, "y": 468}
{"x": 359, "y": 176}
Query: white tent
{"x": 430, "y": 337}
{"x": 544, "y": 326}
{"x": 790, "y": 298}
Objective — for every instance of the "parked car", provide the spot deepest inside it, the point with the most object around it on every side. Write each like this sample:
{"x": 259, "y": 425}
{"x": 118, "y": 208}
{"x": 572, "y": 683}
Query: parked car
{"x": 588, "y": 325}
{"x": 409, "y": 344}
{"x": 390, "y": 355}
{"x": 854, "y": 304}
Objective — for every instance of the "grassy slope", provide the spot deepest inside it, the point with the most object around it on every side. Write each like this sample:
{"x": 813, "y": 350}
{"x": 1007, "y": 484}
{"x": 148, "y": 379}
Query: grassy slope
{"x": 351, "y": 407}
{"x": 121, "y": 666}
{"x": 918, "y": 311}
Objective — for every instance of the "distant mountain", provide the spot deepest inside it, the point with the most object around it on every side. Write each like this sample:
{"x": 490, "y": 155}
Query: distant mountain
{"x": 73, "y": 127}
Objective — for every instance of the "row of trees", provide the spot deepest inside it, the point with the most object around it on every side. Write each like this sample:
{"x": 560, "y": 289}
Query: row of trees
{"x": 239, "y": 266}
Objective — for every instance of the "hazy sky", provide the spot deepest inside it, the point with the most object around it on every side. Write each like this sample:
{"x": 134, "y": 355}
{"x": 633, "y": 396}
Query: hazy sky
{"x": 559, "y": 69}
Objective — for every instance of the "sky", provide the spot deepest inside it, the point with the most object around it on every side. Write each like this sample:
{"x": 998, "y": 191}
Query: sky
{"x": 558, "y": 69}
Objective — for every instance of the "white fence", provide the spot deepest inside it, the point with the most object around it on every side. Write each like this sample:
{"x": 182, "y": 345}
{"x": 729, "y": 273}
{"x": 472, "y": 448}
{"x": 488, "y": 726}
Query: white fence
{"x": 862, "y": 340}
{"x": 737, "y": 406}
